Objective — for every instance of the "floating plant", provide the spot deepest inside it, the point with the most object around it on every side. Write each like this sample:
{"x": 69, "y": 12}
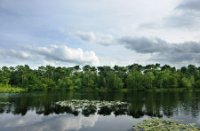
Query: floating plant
{"x": 90, "y": 107}
{"x": 4, "y": 103}
{"x": 156, "y": 124}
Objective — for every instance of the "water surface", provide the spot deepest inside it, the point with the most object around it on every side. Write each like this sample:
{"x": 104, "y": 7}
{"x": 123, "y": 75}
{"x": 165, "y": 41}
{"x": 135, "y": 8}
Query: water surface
{"x": 37, "y": 111}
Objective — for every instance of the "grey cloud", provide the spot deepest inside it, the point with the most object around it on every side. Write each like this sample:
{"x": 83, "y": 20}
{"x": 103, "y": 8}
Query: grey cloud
{"x": 97, "y": 38}
{"x": 190, "y": 5}
{"x": 86, "y": 36}
{"x": 144, "y": 45}
{"x": 4, "y": 12}
{"x": 191, "y": 47}
{"x": 17, "y": 54}
{"x": 162, "y": 50}
{"x": 186, "y": 16}
{"x": 184, "y": 20}
{"x": 159, "y": 49}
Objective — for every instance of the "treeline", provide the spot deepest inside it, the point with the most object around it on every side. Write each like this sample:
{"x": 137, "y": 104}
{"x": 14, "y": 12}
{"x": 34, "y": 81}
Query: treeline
{"x": 134, "y": 77}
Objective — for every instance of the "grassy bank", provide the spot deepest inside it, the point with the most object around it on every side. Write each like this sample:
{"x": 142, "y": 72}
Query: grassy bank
{"x": 169, "y": 90}
{"x": 129, "y": 90}
{"x": 10, "y": 89}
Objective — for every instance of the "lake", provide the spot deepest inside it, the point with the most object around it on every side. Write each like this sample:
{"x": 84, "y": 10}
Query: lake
{"x": 38, "y": 112}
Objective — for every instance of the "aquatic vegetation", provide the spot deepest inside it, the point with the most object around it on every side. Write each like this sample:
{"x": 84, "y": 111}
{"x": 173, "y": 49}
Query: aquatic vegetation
{"x": 90, "y": 107}
{"x": 86, "y": 103}
{"x": 156, "y": 124}
{"x": 4, "y": 103}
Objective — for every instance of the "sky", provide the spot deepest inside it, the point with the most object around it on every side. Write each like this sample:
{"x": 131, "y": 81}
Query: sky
{"x": 99, "y": 32}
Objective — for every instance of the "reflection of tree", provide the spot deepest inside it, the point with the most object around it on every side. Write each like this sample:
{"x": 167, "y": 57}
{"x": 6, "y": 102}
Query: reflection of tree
{"x": 140, "y": 103}
{"x": 105, "y": 110}
{"x": 89, "y": 110}
{"x": 120, "y": 110}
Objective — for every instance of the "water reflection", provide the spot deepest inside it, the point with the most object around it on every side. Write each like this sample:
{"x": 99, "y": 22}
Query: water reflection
{"x": 37, "y": 111}
{"x": 33, "y": 122}
{"x": 140, "y": 104}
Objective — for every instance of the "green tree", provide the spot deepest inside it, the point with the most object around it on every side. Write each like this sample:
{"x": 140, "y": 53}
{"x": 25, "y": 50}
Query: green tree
{"x": 148, "y": 80}
{"x": 134, "y": 80}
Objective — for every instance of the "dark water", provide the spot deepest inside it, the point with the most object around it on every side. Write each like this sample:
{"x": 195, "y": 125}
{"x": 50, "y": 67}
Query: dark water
{"x": 37, "y": 111}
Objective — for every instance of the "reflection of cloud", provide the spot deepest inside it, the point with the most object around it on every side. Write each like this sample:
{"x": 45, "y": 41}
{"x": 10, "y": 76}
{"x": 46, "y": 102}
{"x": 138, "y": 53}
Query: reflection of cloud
{"x": 34, "y": 122}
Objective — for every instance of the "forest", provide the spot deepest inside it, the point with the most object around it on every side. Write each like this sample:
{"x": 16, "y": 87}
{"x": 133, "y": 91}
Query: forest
{"x": 131, "y": 77}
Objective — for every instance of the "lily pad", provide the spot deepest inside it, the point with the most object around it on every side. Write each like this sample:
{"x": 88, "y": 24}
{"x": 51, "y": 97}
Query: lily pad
{"x": 5, "y": 103}
{"x": 90, "y": 107}
{"x": 156, "y": 124}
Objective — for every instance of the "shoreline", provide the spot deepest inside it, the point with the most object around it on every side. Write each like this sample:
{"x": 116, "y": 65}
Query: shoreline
{"x": 10, "y": 89}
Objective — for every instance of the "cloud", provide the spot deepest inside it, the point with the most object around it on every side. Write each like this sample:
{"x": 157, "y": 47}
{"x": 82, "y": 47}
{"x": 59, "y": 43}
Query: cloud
{"x": 86, "y": 36}
{"x": 183, "y": 19}
{"x": 159, "y": 50}
{"x": 41, "y": 23}
{"x": 186, "y": 15}
{"x": 64, "y": 53}
{"x": 192, "y": 5}
{"x": 18, "y": 54}
{"x": 155, "y": 49}
{"x": 162, "y": 50}
{"x": 144, "y": 45}
{"x": 55, "y": 53}
{"x": 97, "y": 38}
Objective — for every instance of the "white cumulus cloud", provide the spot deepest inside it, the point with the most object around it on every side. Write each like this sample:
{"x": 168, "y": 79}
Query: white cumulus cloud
{"x": 52, "y": 53}
{"x": 64, "y": 53}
